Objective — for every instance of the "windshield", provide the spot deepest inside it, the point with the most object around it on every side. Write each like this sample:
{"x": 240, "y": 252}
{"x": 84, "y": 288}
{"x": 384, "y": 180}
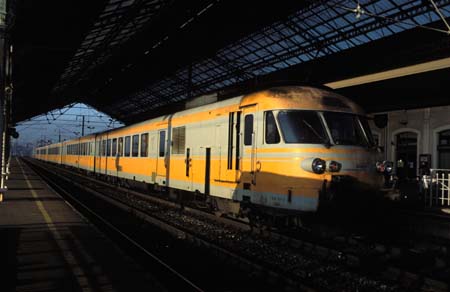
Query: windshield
{"x": 367, "y": 130}
{"x": 345, "y": 129}
{"x": 302, "y": 127}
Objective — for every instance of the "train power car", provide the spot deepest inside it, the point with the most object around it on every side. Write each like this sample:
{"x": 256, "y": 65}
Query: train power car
{"x": 283, "y": 149}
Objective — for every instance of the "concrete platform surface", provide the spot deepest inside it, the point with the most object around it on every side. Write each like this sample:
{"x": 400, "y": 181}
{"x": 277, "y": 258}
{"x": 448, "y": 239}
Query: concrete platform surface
{"x": 47, "y": 246}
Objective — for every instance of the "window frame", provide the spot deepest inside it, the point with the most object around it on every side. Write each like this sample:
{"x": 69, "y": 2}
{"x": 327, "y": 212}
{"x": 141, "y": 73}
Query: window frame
{"x": 250, "y": 136}
{"x": 274, "y": 121}
{"x": 134, "y": 138}
{"x": 127, "y": 143}
{"x": 143, "y": 149}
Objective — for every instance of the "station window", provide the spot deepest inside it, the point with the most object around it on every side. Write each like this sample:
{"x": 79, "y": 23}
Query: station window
{"x": 272, "y": 135}
{"x": 248, "y": 129}
{"x": 444, "y": 150}
{"x": 127, "y": 146}
{"x": 144, "y": 145}
{"x": 135, "y": 146}
{"x": 120, "y": 150}
{"x": 178, "y": 140}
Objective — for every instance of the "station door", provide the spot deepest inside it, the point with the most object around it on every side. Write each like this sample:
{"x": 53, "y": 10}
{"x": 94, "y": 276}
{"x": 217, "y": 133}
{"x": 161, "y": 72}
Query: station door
{"x": 406, "y": 155}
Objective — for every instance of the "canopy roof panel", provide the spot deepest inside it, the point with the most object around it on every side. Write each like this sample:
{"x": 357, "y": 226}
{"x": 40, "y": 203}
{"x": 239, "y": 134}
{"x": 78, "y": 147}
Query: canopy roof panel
{"x": 141, "y": 56}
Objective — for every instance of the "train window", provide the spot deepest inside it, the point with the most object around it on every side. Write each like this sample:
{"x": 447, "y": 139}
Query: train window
{"x": 368, "y": 132}
{"x": 248, "y": 129}
{"x": 271, "y": 132}
{"x": 108, "y": 147}
{"x": 162, "y": 143}
{"x": 114, "y": 147}
{"x": 178, "y": 140}
{"x": 103, "y": 149}
{"x": 301, "y": 127}
{"x": 144, "y": 145}
{"x": 120, "y": 149}
{"x": 135, "y": 146}
{"x": 345, "y": 129}
{"x": 230, "y": 140}
{"x": 238, "y": 139}
{"x": 127, "y": 146}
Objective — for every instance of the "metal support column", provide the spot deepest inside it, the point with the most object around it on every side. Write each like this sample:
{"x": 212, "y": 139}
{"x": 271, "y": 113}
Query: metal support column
{"x": 5, "y": 98}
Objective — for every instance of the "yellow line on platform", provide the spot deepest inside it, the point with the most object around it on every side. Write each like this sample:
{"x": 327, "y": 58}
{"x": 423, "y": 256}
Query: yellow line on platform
{"x": 70, "y": 259}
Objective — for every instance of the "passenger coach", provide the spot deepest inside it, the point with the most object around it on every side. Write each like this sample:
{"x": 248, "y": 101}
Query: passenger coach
{"x": 284, "y": 148}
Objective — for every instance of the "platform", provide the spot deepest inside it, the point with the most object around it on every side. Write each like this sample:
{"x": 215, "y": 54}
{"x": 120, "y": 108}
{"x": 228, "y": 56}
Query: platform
{"x": 45, "y": 245}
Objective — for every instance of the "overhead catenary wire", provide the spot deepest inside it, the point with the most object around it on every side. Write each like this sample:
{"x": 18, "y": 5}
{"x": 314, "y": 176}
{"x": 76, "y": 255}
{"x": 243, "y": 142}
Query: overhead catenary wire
{"x": 438, "y": 11}
{"x": 359, "y": 10}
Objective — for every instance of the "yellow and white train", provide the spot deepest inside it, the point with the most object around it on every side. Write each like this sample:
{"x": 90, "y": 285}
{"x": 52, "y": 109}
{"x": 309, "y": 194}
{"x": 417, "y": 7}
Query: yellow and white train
{"x": 283, "y": 149}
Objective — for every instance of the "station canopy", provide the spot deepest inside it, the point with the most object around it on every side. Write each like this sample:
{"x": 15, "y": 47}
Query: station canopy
{"x": 135, "y": 59}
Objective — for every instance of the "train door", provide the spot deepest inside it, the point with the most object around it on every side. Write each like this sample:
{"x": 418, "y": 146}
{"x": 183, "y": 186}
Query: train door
{"x": 230, "y": 167}
{"x": 96, "y": 152}
{"x": 207, "y": 171}
{"x": 250, "y": 165}
{"x": 78, "y": 152}
{"x": 61, "y": 153}
{"x": 153, "y": 154}
{"x": 188, "y": 168}
{"x": 161, "y": 159}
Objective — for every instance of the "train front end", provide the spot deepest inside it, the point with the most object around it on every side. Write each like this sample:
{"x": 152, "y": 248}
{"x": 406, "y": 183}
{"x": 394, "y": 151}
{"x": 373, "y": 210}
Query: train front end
{"x": 325, "y": 152}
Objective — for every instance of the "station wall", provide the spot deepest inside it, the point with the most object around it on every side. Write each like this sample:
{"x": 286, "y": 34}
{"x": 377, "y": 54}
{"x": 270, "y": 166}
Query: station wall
{"x": 410, "y": 133}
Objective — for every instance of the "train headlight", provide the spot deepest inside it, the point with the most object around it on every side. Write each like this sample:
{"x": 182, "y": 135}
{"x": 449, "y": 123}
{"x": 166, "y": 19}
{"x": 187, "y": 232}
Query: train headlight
{"x": 334, "y": 166}
{"x": 380, "y": 166}
{"x": 318, "y": 165}
{"x": 388, "y": 167}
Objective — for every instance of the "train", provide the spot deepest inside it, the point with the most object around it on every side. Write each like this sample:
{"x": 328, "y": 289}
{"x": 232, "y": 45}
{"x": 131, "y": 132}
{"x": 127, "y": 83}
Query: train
{"x": 284, "y": 149}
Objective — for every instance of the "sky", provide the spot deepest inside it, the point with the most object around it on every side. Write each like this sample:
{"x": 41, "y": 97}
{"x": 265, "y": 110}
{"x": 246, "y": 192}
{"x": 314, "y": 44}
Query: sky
{"x": 63, "y": 124}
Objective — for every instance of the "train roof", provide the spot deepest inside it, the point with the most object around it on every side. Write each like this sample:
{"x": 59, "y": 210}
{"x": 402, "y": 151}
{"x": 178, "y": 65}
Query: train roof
{"x": 304, "y": 97}
{"x": 278, "y": 97}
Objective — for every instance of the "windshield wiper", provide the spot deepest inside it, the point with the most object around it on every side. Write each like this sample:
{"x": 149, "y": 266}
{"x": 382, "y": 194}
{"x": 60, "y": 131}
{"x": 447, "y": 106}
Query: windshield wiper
{"x": 325, "y": 141}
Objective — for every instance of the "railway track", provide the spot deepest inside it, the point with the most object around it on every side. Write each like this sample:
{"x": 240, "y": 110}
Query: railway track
{"x": 289, "y": 262}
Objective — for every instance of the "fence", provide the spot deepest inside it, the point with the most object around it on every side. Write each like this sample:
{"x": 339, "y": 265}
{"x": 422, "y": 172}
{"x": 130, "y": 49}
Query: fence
{"x": 436, "y": 187}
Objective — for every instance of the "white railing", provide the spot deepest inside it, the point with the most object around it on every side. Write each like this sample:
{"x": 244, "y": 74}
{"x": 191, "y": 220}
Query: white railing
{"x": 436, "y": 187}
